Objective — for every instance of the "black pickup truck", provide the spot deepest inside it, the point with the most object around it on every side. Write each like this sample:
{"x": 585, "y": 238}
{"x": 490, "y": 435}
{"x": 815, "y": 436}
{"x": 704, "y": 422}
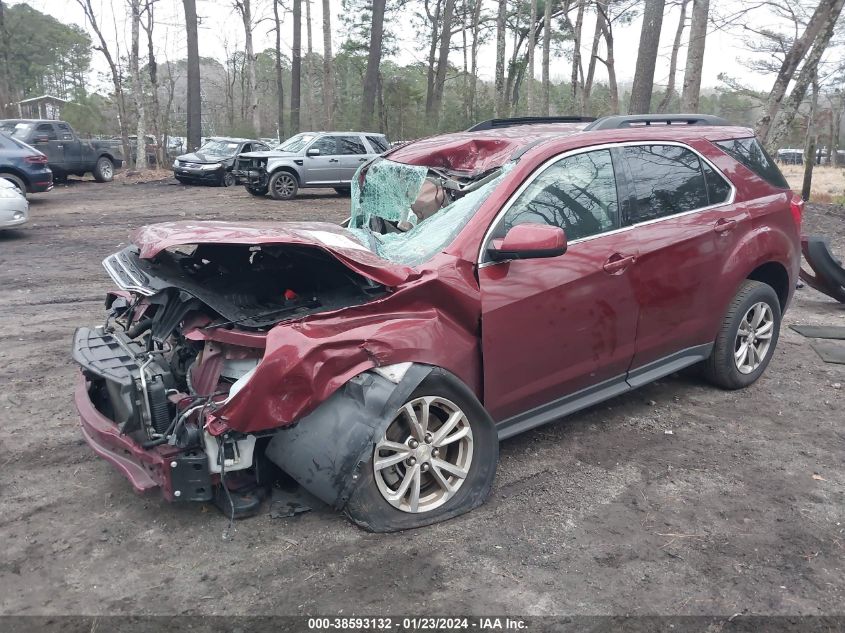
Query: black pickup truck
{"x": 66, "y": 152}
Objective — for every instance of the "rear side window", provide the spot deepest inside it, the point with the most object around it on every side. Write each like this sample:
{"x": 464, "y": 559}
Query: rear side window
{"x": 350, "y": 145}
{"x": 577, "y": 193}
{"x": 718, "y": 189}
{"x": 667, "y": 180}
{"x": 378, "y": 143}
{"x": 326, "y": 144}
{"x": 750, "y": 153}
{"x": 47, "y": 130}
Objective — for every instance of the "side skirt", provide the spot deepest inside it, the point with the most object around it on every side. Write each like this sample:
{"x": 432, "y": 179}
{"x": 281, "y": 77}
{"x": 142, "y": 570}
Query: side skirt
{"x": 611, "y": 388}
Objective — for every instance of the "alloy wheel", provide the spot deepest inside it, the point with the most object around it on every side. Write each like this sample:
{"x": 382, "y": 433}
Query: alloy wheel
{"x": 284, "y": 186}
{"x": 424, "y": 456}
{"x": 754, "y": 337}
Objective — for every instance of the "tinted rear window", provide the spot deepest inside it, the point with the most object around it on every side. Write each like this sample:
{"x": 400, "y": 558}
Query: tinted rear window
{"x": 750, "y": 153}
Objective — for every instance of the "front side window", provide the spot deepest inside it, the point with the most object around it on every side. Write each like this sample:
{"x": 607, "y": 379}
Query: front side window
{"x": 667, "y": 180}
{"x": 45, "y": 129}
{"x": 350, "y": 145}
{"x": 327, "y": 145}
{"x": 577, "y": 193}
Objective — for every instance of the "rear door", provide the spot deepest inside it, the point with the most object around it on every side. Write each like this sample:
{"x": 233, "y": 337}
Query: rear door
{"x": 684, "y": 221}
{"x": 324, "y": 168}
{"x": 353, "y": 153}
{"x": 556, "y": 326}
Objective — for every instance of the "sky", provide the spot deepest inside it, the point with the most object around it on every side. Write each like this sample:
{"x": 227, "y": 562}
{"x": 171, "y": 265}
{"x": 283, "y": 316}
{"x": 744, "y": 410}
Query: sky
{"x": 222, "y": 30}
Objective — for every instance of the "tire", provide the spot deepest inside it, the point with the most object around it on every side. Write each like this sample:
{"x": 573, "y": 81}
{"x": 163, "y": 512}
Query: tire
{"x": 343, "y": 191}
{"x": 283, "y": 185}
{"x": 227, "y": 179}
{"x": 257, "y": 191}
{"x": 104, "y": 169}
{"x": 15, "y": 180}
{"x": 369, "y": 507}
{"x": 726, "y": 367}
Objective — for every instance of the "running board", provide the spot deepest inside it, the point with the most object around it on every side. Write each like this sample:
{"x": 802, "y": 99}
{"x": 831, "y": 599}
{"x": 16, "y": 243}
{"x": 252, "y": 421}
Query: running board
{"x": 602, "y": 391}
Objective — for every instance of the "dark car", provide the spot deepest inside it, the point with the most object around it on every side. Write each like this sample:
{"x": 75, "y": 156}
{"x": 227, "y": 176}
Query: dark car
{"x": 66, "y": 152}
{"x": 212, "y": 163}
{"x": 24, "y": 166}
{"x": 488, "y": 282}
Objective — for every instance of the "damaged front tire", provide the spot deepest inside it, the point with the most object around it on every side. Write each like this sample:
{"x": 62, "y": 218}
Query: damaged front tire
{"x": 436, "y": 460}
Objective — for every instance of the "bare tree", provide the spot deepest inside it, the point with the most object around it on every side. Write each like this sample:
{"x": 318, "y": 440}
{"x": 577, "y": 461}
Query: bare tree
{"x": 532, "y": 44}
{"x": 119, "y": 96}
{"x": 547, "y": 41}
{"x": 152, "y": 66}
{"x": 137, "y": 84}
{"x": 432, "y": 51}
{"x": 371, "y": 78}
{"x": 280, "y": 88}
{"x": 577, "y": 75}
{"x": 643, "y": 86}
{"x": 501, "y": 97}
{"x": 328, "y": 67}
{"x": 808, "y": 74}
{"x": 194, "y": 113}
{"x": 811, "y": 142}
{"x": 609, "y": 61}
{"x": 442, "y": 61}
{"x": 244, "y": 8}
{"x": 473, "y": 88}
{"x": 5, "y": 89}
{"x": 673, "y": 60}
{"x": 695, "y": 56}
{"x": 309, "y": 50}
{"x": 796, "y": 53}
{"x": 296, "y": 68}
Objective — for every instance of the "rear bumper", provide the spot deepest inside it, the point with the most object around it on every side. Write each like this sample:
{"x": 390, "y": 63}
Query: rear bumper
{"x": 145, "y": 469}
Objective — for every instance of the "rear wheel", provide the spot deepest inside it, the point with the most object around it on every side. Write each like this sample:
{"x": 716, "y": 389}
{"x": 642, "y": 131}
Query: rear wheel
{"x": 436, "y": 460}
{"x": 283, "y": 185}
{"x": 747, "y": 339}
{"x": 15, "y": 180}
{"x": 103, "y": 170}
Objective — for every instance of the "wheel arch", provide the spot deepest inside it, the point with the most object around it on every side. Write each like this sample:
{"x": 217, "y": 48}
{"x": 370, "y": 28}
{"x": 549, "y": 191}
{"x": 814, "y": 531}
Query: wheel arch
{"x": 14, "y": 171}
{"x": 774, "y": 274}
{"x": 291, "y": 170}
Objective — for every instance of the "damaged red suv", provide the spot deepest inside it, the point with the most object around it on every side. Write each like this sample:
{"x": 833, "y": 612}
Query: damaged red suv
{"x": 487, "y": 282}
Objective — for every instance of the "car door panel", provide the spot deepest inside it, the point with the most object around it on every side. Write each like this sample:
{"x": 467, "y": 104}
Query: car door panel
{"x": 323, "y": 169}
{"x": 553, "y": 326}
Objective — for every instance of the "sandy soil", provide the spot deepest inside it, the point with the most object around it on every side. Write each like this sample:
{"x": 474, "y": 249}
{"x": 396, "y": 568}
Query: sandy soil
{"x": 675, "y": 499}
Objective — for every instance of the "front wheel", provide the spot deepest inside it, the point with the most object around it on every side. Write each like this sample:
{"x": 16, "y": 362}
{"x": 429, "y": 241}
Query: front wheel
{"x": 257, "y": 191}
{"x": 103, "y": 170}
{"x": 436, "y": 460}
{"x": 17, "y": 182}
{"x": 227, "y": 179}
{"x": 283, "y": 185}
{"x": 747, "y": 339}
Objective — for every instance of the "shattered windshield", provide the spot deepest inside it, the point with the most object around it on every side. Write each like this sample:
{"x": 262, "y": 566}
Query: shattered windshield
{"x": 407, "y": 213}
{"x": 295, "y": 143}
{"x": 219, "y": 148}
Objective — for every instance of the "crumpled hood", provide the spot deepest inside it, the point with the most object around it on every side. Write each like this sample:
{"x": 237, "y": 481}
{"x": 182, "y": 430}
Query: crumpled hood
{"x": 337, "y": 241}
{"x": 201, "y": 157}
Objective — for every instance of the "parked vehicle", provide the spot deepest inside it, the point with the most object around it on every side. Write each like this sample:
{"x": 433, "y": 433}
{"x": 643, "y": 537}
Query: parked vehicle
{"x": 66, "y": 152}
{"x": 213, "y": 162}
{"x": 24, "y": 166}
{"x": 548, "y": 267}
{"x": 14, "y": 209}
{"x": 150, "y": 146}
{"x": 310, "y": 159}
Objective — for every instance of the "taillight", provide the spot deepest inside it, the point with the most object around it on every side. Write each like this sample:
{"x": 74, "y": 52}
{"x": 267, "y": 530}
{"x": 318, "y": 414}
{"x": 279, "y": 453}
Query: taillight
{"x": 796, "y": 206}
{"x": 36, "y": 160}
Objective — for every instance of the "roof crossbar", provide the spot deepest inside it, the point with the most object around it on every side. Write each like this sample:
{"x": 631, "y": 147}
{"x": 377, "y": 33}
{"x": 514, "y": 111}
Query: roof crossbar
{"x": 528, "y": 120}
{"x": 648, "y": 120}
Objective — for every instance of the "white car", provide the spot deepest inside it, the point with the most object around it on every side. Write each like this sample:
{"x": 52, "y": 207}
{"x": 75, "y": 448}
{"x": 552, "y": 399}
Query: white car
{"x": 14, "y": 209}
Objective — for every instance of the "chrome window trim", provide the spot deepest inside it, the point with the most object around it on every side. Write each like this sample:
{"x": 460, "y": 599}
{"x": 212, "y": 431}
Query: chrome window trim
{"x": 592, "y": 148}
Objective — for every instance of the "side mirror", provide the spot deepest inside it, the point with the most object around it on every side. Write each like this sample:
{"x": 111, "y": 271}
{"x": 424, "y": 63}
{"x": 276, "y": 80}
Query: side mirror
{"x": 529, "y": 241}
{"x": 313, "y": 152}
{"x": 41, "y": 138}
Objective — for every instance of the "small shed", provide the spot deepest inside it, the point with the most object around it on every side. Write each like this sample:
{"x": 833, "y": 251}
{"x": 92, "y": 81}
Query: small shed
{"x": 43, "y": 107}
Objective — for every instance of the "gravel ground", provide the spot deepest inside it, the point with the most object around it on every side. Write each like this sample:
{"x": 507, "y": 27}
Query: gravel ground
{"x": 675, "y": 499}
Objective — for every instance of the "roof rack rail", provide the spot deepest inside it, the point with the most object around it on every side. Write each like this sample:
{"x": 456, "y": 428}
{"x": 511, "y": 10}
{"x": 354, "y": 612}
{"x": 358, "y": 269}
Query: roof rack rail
{"x": 646, "y": 120}
{"x": 528, "y": 120}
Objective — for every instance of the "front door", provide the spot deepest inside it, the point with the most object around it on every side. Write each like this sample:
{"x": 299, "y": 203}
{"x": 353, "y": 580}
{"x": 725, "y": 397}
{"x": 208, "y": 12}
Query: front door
{"x": 684, "y": 220}
{"x": 325, "y": 167}
{"x": 71, "y": 147}
{"x": 552, "y": 327}
{"x": 47, "y": 141}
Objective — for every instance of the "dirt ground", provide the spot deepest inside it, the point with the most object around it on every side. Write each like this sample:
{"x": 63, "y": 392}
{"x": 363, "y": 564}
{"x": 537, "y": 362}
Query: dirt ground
{"x": 675, "y": 499}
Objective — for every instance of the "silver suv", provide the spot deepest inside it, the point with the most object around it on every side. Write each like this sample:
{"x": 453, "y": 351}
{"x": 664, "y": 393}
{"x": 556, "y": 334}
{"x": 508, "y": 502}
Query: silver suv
{"x": 309, "y": 159}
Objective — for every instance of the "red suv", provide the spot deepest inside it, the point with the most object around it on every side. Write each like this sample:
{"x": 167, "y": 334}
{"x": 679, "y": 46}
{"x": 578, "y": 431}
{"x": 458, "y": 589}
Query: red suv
{"x": 486, "y": 283}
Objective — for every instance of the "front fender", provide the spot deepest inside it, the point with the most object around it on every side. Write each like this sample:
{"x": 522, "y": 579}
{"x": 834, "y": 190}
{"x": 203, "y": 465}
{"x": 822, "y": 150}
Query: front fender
{"x": 286, "y": 164}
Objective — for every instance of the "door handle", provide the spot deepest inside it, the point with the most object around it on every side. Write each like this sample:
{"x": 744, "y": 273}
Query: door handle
{"x": 722, "y": 226}
{"x": 361, "y": 160}
{"x": 333, "y": 160}
{"x": 618, "y": 262}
